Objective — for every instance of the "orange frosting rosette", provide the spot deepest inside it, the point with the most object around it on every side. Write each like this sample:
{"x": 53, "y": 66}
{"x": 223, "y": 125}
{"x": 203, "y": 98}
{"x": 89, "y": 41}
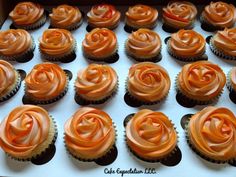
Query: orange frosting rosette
{"x": 212, "y": 132}
{"x": 201, "y": 80}
{"x": 103, "y": 16}
{"x": 89, "y": 133}
{"x": 232, "y": 79}
{"x": 148, "y": 82}
{"x": 141, "y": 16}
{"x": 151, "y": 135}
{"x": 96, "y": 82}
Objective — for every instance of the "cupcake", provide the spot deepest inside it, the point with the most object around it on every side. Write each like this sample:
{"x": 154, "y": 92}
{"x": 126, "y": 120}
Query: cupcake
{"x": 223, "y": 43}
{"x": 211, "y": 133}
{"x": 200, "y": 82}
{"x": 103, "y": 16}
{"x": 148, "y": 83}
{"x": 231, "y": 80}
{"x": 141, "y": 16}
{"x": 179, "y": 15}
{"x": 150, "y": 135}
{"x": 89, "y": 134}
{"x": 27, "y": 132}
{"x": 100, "y": 45}
{"x": 10, "y": 81}
{"x": 186, "y": 45}
{"x": 16, "y": 44}
{"x": 46, "y": 83}
{"x": 66, "y": 17}
{"x": 57, "y": 45}
{"x": 96, "y": 83}
{"x": 218, "y": 15}
{"x": 28, "y": 15}
{"x": 143, "y": 45}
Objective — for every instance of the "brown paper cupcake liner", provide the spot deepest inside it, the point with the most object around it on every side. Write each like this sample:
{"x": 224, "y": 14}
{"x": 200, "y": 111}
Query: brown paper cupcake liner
{"x": 128, "y": 28}
{"x": 70, "y": 28}
{"x": 171, "y": 29}
{"x": 90, "y": 26}
{"x": 207, "y": 26}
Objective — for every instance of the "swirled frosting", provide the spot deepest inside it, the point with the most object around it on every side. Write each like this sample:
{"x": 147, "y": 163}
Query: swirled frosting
{"x": 89, "y": 133}
{"x": 141, "y": 16}
{"x": 220, "y": 14}
{"x": 14, "y": 42}
{"x": 151, "y": 135}
{"x": 179, "y": 14}
{"x": 64, "y": 16}
{"x": 100, "y": 42}
{"x": 143, "y": 43}
{"x": 56, "y": 42}
{"x": 96, "y": 82}
{"x": 103, "y": 16}
{"x": 148, "y": 82}
{"x": 26, "y": 13}
{"x": 187, "y": 43}
{"x": 232, "y": 78}
{"x": 201, "y": 80}
{"x": 45, "y": 81}
{"x": 212, "y": 131}
{"x": 24, "y": 130}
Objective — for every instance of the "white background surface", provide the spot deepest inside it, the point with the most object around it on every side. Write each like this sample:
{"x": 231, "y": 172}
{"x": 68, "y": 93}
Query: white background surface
{"x": 63, "y": 165}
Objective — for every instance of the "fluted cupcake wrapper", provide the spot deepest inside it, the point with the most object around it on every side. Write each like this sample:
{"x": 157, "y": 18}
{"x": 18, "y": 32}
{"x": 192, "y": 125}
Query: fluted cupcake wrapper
{"x": 91, "y": 26}
{"x": 70, "y": 28}
{"x": 129, "y": 28}
{"x": 210, "y": 27}
{"x": 167, "y": 27}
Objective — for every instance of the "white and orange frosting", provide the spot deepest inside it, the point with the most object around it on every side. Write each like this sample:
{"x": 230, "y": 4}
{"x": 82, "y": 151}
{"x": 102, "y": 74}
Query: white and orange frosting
{"x": 220, "y": 14}
{"x": 148, "y": 82}
{"x": 89, "y": 133}
{"x": 151, "y": 135}
{"x": 26, "y": 13}
{"x": 212, "y": 131}
{"x": 14, "y": 42}
{"x": 143, "y": 43}
{"x": 232, "y": 78}
{"x": 201, "y": 80}
{"x": 24, "y": 130}
{"x": 45, "y": 81}
{"x": 96, "y": 82}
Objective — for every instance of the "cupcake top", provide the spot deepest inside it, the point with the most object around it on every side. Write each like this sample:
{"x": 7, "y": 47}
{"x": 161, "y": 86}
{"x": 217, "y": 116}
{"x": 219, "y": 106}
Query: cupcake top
{"x": 151, "y": 135}
{"x": 201, "y": 80}
{"x": 24, "y": 130}
{"x": 232, "y": 78}
{"x": 26, "y": 13}
{"x": 100, "y": 42}
{"x": 187, "y": 43}
{"x": 179, "y": 13}
{"x": 141, "y": 16}
{"x": 14, "y": 42}
{"x": 225, "y": 41}
{"x": 144, "y": 43}
{"x": 148, "y": 81}
{"x": 45, "y": 81}
{"x": 64, "y": 16}
{"x": 212, "y": 131}
{"x": 96, "y": 81}
{"x": 103, "y": 16}
{"x": 220, "y": 14}
{"x": 56, "y": 42}
{"x": 89, "y": 133}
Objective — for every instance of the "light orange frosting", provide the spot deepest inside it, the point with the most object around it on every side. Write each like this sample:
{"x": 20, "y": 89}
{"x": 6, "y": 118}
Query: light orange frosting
{"x": 212, "y": 131}
{"x": 232, "y": 78}
{"x": 14, "y": 41}
{"x": 103, "y": 16}
{"x": 220, "y": 14}
{"x": 187, "y": 43}
{"x": 64, "y": 16}
{"x": 201, "y": 80}
{"x": 89, "y": 133}
{"x": 144, "y": 43}
{"x": 141, "y": 16}
{"x": 56, "y": 42}
{"x": 100, "y": 42}
{"x": 24, "y": 129}
{"x": 26, "y": 13}
{"x": 179, "y": 14}
{"x": 151, "y": 135}
{"x": 45, "y": 81}
{"x": 148, "y": 81}
{"x": 96, "y": 81}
